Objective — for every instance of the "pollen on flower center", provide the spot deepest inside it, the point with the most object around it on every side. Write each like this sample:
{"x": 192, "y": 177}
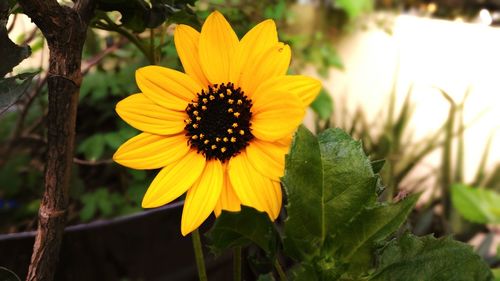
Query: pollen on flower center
{"x": 219, "y": 122}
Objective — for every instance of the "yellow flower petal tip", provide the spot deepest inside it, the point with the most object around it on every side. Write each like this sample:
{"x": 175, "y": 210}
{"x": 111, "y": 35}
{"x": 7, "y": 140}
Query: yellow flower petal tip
{"x": 215, "y": 13}
{"x": 269, "y": 22}
{"x": 185, "y": 232}
{"x": 116, "y": 157}
{"x": 149, "y": 202}
{"x": 316, "y": 86}
{"x": 219, "y": 131}
{"x": 182, "y": 28}
{"x": 146, "y": 204}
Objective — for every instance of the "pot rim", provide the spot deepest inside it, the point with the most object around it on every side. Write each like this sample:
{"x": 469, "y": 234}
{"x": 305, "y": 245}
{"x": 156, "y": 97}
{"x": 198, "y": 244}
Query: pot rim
{"x": 97, "y": 223}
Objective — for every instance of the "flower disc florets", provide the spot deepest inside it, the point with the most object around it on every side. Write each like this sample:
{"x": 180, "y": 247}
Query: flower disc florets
{"x": 219, "y": 122}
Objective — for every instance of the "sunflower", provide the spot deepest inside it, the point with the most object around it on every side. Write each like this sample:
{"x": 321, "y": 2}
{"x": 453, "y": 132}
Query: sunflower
{"x": 220, "y": 130}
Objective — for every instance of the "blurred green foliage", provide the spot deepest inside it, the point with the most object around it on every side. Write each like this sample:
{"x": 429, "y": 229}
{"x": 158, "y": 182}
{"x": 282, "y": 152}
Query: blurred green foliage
{"x": 478, "y": 205}
{"x": 353, "y": 8}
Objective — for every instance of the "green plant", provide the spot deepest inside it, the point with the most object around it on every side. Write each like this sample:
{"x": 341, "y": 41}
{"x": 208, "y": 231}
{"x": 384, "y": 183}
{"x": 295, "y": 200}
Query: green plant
{"x": 336, "y": 229}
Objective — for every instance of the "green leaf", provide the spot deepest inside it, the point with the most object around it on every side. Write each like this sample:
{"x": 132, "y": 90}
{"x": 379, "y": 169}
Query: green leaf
{"x": 135, "y": 193}
{"x": 377, "y": 165}
{"x": 13, "y": 88}
{"x": 93, "y": 147}
{"x": 476, "y": 204}
{"x": 328, "y": 181}
{"x": 113, "y": 140}
{"x": 427, "y": 258}
{"x": 138, "y": 15}
{"x": 303, "y": 272}
{"x": 317, "y": 270}
{"x": 303, "y": 181}
{"x": 323, "y": 105}
{"x": 89, "y": 207}
{"x": 248, "y": 226}
{"x": 8, "y": 275}
{"x": 370, "y": 226}
{"x": 266, "y": 277}
{"x": 104, "y": 201}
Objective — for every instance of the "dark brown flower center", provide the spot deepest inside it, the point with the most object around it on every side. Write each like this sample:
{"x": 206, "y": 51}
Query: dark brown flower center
{"x": 219, "y": 122}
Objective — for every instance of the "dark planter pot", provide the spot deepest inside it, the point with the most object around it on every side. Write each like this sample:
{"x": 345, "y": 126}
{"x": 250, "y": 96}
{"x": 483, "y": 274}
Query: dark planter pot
{"x": 143, "y": 246}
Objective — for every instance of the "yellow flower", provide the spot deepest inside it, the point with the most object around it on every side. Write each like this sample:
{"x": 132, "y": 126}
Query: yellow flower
{"x": 220, "y": 130}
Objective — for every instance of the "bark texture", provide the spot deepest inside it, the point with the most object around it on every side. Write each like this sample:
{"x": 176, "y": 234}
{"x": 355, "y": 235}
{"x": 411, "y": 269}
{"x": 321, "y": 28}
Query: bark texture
{"x": 65, "y": 29}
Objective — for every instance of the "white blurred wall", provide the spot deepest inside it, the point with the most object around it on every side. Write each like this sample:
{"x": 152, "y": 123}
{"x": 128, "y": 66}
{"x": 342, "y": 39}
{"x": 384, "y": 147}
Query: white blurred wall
{"x": 427, "y": 54}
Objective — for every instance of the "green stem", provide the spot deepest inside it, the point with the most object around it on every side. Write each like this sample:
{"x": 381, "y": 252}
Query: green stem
{"x": 280, "y": 271}
{"x": 237, "y": 264}
{"x": 198, "y": 254}
{"x": 134, "y": 40}
{"x": 111, "y": 26}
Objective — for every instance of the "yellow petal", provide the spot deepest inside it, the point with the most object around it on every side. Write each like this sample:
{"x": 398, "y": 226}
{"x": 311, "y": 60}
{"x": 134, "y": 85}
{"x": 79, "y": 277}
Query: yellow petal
{"x": 186, "y": 43}
{"x": 267, "y": 158}
{"x": 256, "y": 42}
{"x": 148, "y": 151}
{"x": 271, "y": 63}
{"x": 166, "y": 87}
{"x": 305, "y": 88}
{"x": 228, "y": 200}
{"x": 218, "y": 43}
{"x": 252, "y": 188}
{"x": 275, "y": 114}
{"x": 202, "y": 197}
{"x": 173, "y": 180}
{"x": 145, "y": 115}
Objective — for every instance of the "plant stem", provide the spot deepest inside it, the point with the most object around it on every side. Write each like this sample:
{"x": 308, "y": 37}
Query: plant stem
{"x": 237, "y": 264}
{"x": 198, "y": 254}
{"x": 446, "y": 166}
{"x": 152, "y": 45}
{"x": 280, "y": 271}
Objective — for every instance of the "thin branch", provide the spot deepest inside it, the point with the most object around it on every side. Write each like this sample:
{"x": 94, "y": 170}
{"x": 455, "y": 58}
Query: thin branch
{"x": 31, "y": 36}
{"x": 92, "y": 162}
{"x": 97, "y": 58}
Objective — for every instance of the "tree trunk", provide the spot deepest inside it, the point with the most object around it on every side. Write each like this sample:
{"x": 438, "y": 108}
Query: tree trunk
{"x": 65, "y": 29}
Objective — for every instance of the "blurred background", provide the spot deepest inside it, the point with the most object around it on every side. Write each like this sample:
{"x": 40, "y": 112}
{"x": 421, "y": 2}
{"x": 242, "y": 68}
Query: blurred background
{"x": 416, "y": 81}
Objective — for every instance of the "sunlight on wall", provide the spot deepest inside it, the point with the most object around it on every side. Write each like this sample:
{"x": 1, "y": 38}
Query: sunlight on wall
{"x": 428, "y": 54}
{"x": 22, "y": 30}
